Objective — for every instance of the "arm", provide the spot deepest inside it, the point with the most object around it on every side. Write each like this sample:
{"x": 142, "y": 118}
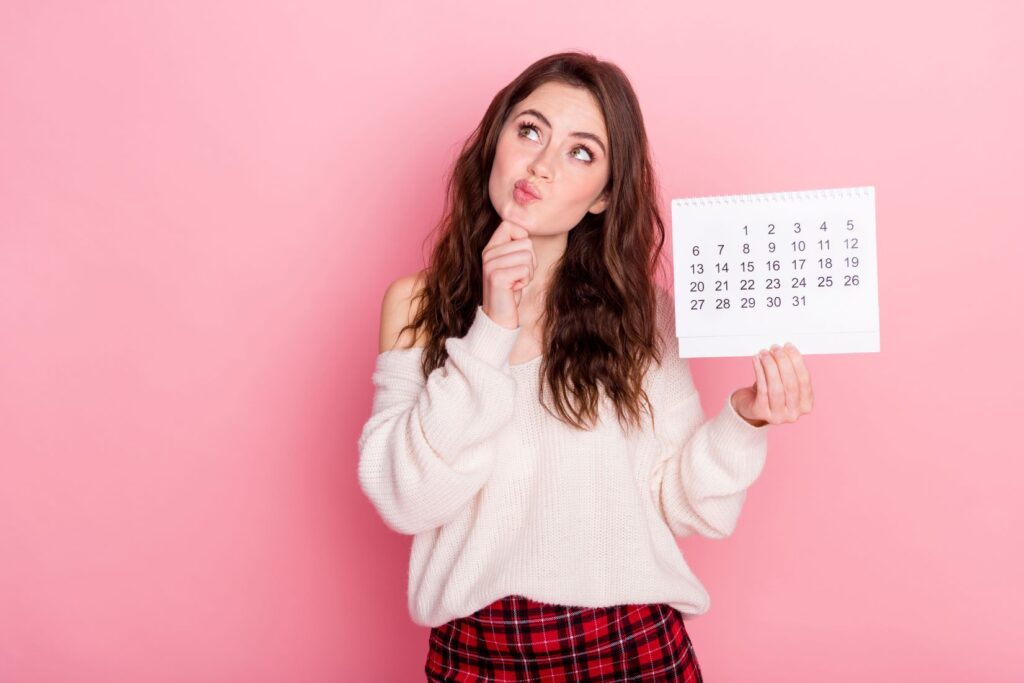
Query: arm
{"x": 422, "y": 453}
{"x": 704, "y": 467}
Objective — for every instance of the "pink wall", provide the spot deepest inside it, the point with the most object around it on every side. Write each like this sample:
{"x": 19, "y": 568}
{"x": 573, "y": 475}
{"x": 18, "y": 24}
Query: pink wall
{"x": 201, "y": 206}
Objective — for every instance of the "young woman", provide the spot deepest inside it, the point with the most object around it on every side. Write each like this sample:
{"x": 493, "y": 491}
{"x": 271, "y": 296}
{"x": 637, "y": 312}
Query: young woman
{"x": 533, "y": 426}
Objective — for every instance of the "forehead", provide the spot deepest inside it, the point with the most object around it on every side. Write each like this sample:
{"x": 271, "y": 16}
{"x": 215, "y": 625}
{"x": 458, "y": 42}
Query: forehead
{"x": 565, "y": 106}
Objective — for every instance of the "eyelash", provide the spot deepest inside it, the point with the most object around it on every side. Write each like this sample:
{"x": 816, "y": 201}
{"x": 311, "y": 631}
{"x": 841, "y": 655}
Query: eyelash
{"x": 523, "y": 126}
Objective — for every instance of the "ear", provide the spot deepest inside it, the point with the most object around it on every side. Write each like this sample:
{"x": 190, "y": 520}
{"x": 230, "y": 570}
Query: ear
{"x": 600, "y": 204}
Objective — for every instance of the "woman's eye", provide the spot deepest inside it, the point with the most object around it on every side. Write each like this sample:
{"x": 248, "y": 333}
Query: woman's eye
{"x": 587, "y": 151}
{"x": 525, "y": 127}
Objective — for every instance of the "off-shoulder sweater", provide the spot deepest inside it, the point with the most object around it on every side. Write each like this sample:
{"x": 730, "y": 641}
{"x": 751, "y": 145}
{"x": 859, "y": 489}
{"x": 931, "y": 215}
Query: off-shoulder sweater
{"x": 503, "y": 498}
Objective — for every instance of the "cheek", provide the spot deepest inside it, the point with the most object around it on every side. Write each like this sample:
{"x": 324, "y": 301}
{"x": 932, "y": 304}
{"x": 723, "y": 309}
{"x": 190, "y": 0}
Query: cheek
{"x": 583, "y": 191}
{"x": 503, "y": 171}
{"x": 500, "y": 168}
{"x": 500, "y": 161}
{"x": 508, "y": 156}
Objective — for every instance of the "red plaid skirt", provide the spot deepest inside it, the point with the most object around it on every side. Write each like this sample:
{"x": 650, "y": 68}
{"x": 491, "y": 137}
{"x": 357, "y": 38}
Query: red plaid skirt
{"x": 517, "y": 639}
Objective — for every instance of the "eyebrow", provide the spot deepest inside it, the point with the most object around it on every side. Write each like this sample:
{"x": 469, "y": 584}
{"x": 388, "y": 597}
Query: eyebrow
{"x": 577, "y": 134}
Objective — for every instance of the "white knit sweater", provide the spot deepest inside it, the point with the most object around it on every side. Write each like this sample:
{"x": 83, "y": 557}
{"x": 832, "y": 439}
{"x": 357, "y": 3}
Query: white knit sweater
{"x": 504, "y": 499}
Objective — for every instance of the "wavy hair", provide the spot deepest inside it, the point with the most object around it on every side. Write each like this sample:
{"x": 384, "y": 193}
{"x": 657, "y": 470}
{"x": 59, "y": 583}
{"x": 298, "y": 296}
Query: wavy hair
{"x": 600, "y": 309}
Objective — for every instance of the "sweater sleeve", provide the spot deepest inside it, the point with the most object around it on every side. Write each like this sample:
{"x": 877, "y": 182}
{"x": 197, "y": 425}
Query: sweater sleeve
{"x": 423, "y": 452}
{"x": 704, "y": 467}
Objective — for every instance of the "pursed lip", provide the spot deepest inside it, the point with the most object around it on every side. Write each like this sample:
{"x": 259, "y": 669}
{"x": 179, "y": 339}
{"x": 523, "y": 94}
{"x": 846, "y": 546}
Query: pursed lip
{"x": 527, "y": 188}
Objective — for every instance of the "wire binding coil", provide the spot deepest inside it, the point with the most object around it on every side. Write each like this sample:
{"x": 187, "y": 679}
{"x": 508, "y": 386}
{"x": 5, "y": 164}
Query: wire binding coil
{"x": 792, "y": 196}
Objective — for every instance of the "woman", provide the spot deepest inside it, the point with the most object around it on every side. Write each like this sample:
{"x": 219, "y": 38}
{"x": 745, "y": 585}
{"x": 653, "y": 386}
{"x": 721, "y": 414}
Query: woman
{"x": 533, "y": 426}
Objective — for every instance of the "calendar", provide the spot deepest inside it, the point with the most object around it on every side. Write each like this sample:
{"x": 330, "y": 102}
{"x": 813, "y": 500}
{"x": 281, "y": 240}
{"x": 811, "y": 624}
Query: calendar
{"x": 760, "y": 269}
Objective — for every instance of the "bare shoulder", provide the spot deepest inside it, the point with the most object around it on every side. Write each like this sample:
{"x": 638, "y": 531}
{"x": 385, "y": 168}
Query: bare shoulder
{"x": 397, "y": 310}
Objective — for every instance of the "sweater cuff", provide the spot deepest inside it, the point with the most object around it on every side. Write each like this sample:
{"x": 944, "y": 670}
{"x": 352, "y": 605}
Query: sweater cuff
{"x": 489, "y": 341}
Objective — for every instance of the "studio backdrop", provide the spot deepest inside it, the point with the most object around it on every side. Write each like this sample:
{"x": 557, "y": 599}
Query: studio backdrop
{"x": 202, "y": 204}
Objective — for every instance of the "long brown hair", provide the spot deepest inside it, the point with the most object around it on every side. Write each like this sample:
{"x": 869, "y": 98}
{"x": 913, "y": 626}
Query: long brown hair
{"x": 601, "y": 304}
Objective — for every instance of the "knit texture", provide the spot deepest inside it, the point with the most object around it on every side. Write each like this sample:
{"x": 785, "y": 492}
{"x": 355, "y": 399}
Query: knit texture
{"x": 504, "y": 499}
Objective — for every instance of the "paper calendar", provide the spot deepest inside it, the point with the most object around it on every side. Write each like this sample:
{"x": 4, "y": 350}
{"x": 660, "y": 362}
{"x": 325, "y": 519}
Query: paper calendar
{"x": 760, "y": 269}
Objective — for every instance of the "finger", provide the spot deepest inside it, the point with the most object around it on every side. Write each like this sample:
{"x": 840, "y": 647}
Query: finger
{"x": 523, "y": 244}
{"x": 776, "y": 394}
{"x": 501, "y": 234}
{"x": 526, "y": 244}
{"x": 514, "y": 231}
{"x": 509, "y": 248}
{"x": 506, "y": 232}
{"x": 803, "y": 378}
{"x": 761, "y": 410}
{"x": 523, "y": 237}
{"x": 512, "y": 260}
{"x": 528, "y": 248}
{"x": 517, "y": 277}
{"x": 789, "y": 382}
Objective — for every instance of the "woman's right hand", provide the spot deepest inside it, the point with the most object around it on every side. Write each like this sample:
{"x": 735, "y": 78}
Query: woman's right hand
{"x": 508, "y": 267}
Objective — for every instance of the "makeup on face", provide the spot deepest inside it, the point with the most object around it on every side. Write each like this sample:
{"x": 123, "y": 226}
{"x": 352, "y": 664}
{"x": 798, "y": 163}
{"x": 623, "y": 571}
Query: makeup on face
{"x": 524, "y": 193}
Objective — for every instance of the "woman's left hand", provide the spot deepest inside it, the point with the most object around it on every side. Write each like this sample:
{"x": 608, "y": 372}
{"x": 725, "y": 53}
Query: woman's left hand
{"x": 781, "y": 391}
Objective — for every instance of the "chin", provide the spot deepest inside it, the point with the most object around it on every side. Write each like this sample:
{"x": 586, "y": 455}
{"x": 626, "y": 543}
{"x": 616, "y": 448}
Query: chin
{"x": 518, "y": 214}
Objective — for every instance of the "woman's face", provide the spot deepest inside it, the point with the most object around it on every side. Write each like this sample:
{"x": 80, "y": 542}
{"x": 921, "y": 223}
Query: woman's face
{"x": 559, "y": 147}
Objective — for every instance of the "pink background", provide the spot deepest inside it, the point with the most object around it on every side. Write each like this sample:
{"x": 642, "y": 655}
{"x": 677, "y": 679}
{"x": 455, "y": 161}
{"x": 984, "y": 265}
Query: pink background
{"x": 201, "y": 206}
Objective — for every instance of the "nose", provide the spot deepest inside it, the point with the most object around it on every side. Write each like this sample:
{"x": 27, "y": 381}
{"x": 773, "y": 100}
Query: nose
{"x": 541, "y": 165}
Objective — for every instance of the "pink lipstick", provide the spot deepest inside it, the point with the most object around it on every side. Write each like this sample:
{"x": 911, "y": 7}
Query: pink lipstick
{"x": 524, "y": 193}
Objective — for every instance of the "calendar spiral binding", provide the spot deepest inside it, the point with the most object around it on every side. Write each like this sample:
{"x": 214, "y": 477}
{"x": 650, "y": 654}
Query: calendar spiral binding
{"x": 792, "y": 196}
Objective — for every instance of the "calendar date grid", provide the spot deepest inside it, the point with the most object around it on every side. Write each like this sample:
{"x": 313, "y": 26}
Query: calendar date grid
{"x": 773, "y": 265}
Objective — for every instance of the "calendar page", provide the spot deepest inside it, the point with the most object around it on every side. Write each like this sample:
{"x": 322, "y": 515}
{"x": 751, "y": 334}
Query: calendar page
{"x": 760, "y": 269}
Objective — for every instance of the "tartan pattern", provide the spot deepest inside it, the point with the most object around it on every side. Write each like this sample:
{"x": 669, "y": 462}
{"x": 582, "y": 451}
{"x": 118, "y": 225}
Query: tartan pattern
{"x": 518, "y": 639}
